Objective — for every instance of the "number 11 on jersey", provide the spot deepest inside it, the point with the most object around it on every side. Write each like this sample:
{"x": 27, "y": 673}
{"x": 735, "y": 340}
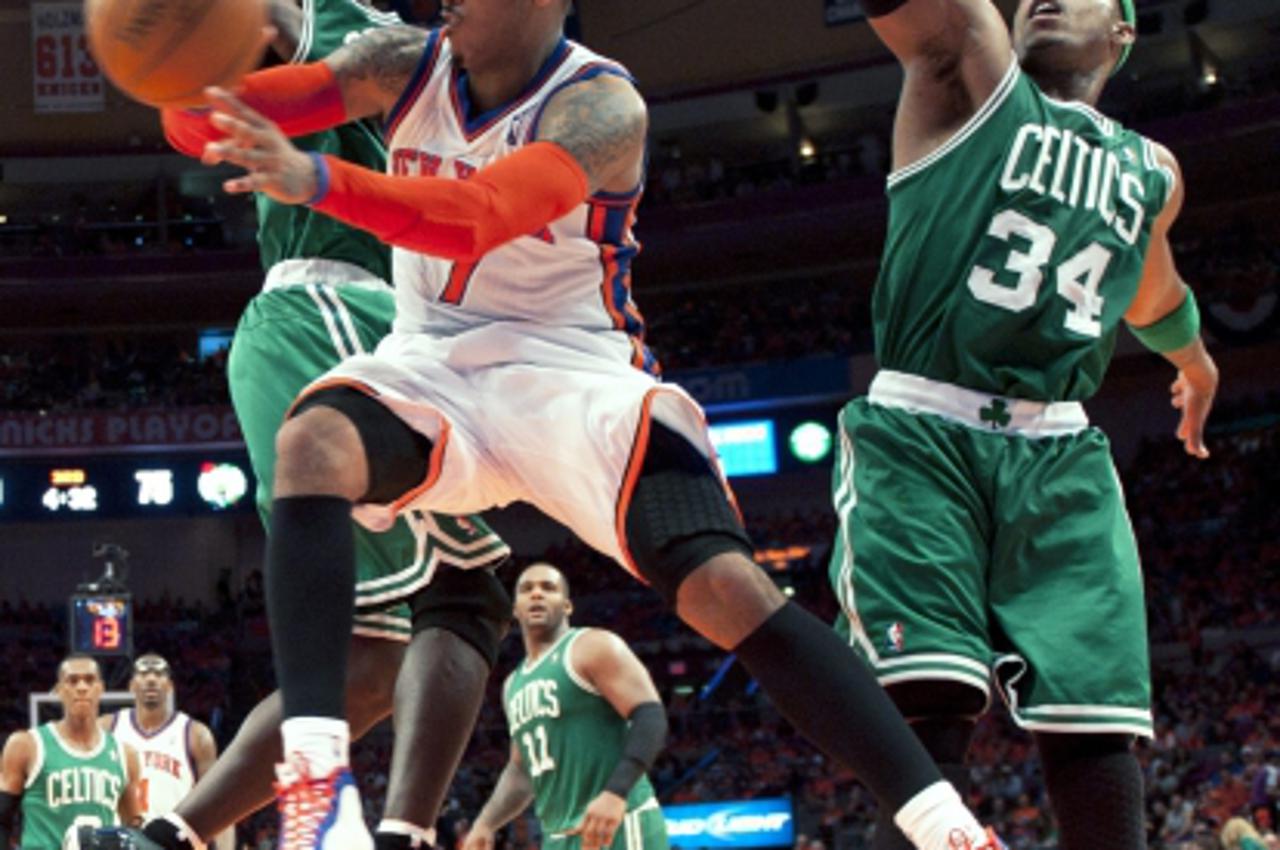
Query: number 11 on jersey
{"x": 535, "y": 747}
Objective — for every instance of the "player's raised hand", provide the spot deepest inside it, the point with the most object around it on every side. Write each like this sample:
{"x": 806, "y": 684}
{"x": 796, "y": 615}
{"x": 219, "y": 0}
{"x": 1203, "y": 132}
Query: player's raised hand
{"x": 1192, "y": 393}
{"x": 275, "y": 167}
{"x": 479, "y": 837}
{"x": 600, "y": 821}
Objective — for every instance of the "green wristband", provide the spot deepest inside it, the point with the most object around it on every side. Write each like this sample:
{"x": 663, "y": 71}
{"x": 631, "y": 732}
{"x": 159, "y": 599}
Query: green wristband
{"x": 1176, "y": 330}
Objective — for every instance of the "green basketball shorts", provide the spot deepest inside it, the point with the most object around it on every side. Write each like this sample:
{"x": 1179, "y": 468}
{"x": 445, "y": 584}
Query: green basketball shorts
{"x": 981, "y": 535}
{"x": 642, "y": 828}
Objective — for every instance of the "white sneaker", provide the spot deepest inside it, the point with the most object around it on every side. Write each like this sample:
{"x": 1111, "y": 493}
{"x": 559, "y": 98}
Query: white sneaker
{"x": 319, "y": 814}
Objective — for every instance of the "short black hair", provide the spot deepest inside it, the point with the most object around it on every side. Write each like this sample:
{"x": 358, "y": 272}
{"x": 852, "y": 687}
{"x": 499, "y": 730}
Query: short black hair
{"x": 564, "y": 579}
{"x": 78, "y": 656}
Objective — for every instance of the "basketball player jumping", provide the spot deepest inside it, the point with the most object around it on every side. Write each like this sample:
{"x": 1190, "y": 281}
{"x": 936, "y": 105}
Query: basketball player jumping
{"x": 586, "y": 724}
{"x": 325, "y": 298}
{"x": 516, "y": 370}
{"x": 982, "y": 524}
{"x": 70, "y": 773}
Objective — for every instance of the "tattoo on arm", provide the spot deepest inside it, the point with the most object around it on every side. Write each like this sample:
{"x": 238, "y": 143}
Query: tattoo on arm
{"x": 602, "y": 124}
{"x": 383, "y": 59}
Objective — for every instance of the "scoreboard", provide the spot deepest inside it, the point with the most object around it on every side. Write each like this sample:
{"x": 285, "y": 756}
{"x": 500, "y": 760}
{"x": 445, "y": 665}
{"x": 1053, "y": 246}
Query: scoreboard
{"x": 125, "y": 486}
{"x": 102, "y": 623}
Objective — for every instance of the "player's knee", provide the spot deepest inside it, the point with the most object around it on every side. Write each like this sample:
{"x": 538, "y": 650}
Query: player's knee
{"x": 319, "y": 452}
{"x": 734, "y": 583}
{"x": 471, "y": 604}
{"x": 389, "y": 457}
{"x": 679, "y": 517}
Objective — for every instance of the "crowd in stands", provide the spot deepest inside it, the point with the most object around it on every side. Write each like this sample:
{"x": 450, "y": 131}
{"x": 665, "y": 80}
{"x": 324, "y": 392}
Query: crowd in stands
{"x": 1209, "y": 535}
{"x": 107, "y": 227}
{"x": 104, "y": 372}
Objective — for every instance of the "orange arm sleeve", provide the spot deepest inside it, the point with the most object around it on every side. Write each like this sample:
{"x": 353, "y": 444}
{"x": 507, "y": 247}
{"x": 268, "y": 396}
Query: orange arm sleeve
{"x": 455, "y": 219}
{"x": 301, "y": 99}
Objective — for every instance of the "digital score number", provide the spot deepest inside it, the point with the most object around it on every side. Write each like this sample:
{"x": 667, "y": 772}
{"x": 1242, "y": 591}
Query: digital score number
{"x": 101, "y": 624}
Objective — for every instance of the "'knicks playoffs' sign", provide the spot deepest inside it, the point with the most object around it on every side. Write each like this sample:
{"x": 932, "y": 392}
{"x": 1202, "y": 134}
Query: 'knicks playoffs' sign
{"x": 207, "y": 427}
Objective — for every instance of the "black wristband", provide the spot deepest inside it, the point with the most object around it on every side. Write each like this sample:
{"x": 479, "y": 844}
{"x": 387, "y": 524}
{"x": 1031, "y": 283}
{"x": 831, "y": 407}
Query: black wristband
{"x": 646, "y": 733}
{"x": 9, "y": 804}
{"x": 876, "y": 8}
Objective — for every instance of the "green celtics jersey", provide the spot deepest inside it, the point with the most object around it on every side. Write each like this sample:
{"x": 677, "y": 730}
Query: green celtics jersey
{"x": 69, "y": 788}
{"x": 1014, "y": 250}
{"x": 570, "y": 737}
{"x": 289, "y": 232}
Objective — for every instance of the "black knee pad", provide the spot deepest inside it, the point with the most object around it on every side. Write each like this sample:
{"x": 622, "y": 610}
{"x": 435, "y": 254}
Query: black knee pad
{"x": 472, "y": 604}
{"x": 397, "y": 455}
{"x": 679, "y": 516}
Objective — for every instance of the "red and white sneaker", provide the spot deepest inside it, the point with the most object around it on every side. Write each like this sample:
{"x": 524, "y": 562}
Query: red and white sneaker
{"x": 319, "y": 814}
{"x": 993, "y": 842}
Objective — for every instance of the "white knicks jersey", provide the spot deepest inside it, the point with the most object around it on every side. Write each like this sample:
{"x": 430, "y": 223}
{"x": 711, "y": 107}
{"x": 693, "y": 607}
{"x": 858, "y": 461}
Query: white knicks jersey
{"x": 575, "y": 273}
{"x": 168, "y": 767}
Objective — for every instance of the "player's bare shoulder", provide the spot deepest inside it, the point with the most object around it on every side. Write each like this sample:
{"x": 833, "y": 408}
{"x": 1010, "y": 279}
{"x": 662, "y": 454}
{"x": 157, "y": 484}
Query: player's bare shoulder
{"x": 602, "y": 122}
{"x": 377, "y": 65}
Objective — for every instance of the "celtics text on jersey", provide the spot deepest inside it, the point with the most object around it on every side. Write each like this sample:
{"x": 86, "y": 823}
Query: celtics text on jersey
{"x": 569, "y": 737}
{"x": 68, "y": 788}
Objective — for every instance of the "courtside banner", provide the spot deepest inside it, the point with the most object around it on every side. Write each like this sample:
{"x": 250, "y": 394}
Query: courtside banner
{"x": 82, "y": 432}
{"x": 64, "y": 76}
{"x": 767, "y": 822}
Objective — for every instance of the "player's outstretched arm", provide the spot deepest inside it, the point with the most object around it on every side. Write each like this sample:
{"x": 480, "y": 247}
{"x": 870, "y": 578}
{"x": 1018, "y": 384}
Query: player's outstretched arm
{"x": 360, "y": 80}
{"x": 511, "y": 796}
{"x": 953, "y": 53}
{"x": 610, "y": 666}
{"x": 1165, "y": 318}
{"x": 19, "y": 751}
{"x": 130, "y": 805}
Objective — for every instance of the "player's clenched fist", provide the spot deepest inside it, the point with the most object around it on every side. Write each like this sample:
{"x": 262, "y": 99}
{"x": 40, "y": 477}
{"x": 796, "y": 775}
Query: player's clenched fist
{"x": 601, "y": 821}
{"x": 480, "y": 837}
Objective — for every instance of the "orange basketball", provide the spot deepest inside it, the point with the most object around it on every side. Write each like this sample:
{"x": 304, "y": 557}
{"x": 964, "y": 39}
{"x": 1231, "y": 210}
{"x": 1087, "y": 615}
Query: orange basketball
{"x": 164, "y": 52}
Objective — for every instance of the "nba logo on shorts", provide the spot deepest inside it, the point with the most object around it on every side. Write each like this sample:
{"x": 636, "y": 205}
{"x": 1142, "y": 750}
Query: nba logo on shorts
{"x": 894, "y": 637}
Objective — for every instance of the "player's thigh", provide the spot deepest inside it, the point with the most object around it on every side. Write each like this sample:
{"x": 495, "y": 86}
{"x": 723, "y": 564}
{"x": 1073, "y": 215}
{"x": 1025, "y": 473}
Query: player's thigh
{"x": 1066, "y": 590}
{"x": 284, "y": 340}
{"x": 576, "y": 442}
{"x": 909, "y": 562}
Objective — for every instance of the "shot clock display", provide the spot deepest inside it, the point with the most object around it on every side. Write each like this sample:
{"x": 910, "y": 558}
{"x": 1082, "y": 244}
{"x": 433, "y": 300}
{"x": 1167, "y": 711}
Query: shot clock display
{"x": 102, "y": 623}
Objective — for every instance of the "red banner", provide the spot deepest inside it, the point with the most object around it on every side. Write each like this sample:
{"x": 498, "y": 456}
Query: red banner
{"x": 134, "y": 430}
{"x": 64, "y": 76}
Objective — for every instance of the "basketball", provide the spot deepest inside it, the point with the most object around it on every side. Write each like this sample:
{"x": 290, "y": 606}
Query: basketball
{"x": 165, "y": 52}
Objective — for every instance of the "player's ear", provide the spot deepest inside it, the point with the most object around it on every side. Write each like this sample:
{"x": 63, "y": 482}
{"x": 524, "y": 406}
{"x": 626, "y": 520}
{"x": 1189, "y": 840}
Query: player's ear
{"x": 1123, "y": 34}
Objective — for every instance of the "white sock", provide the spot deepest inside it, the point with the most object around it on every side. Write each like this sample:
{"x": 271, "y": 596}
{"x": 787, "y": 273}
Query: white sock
{"x": 425, "y": 838}
{"x": 937, "y": 819}
{"x": 322, "y": 742}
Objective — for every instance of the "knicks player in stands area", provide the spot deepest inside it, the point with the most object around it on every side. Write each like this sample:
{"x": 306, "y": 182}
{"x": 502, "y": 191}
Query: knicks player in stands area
{"x": 516, "y": 370}
{"x": 175, "y": 749}
{"x": 982, "y": 526}
{"x": 70, "y": 773}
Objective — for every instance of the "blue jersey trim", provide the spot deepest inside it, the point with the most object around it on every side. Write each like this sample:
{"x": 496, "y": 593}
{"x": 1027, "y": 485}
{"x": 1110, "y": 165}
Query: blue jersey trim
{"x": 421, "y": 75}
{"x": 472, "y": 127}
